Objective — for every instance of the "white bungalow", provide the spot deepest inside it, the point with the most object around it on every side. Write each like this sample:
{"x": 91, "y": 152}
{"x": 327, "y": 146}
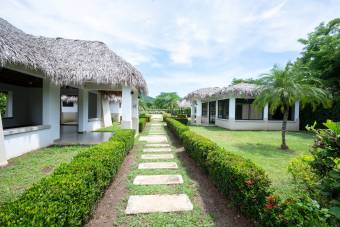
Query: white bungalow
{"x": 232, "y": 108}
{"x": 35, "y": 72}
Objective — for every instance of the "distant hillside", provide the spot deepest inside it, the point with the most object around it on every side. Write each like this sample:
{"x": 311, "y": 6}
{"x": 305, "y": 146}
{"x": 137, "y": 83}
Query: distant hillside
{"x": 148, "y": 99}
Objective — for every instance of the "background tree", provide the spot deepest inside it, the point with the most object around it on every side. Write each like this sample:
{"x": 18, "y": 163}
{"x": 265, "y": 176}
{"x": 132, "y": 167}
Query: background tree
{"x": 167, "y": 100}
{"x": 282, "y": 87}
{"x": 321, "y": 54}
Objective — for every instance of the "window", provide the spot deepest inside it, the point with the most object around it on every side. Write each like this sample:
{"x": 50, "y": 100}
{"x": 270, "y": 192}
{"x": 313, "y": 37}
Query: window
{"x": 278, "y": 115}
{"x": 92, "y": 107}
{"x": 245, "y": 110}
{"x": 204, "y": 109}
{"x": 68, "y": 104}
{"x": 223, "y": 109}
{"x": 9, "y": 104}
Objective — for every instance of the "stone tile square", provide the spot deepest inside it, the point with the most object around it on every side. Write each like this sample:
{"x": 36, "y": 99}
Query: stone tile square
{"x": 157, "y": 179}
{"x": 157, "y": 149}
{"x": 154, "y": 139}
{"x": 158, "y": 203}
{"x": 157, "y": 145}
{"x": 158, "y": 165}
{"x": 157, "y": 156}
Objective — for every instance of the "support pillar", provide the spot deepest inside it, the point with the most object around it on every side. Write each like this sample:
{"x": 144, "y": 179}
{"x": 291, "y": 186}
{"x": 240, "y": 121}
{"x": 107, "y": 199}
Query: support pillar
{"x": 106, "y": 113}
{"x": 216, "y": 111}
{"x": 266, "y": 116}
{"x": 126, "y": 107}
{"x": 3, "y": 158}
{"x": 83, "y": 110}
{"x": 297, "y": 111}
{"x": 192, "y": 112}
{"x": 135, "y": 112}
{"x": 199, "y": 112}
{"x": 51, "y": 108}
{"x": 232, "y": 109}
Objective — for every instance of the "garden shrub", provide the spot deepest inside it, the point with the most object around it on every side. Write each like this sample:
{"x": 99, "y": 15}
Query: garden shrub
{"x": 183, "y": 120}
{"x": 176, "y": 127}
{"x": 142, "y": 123}
{"x": 69, "y": 195}
{"x": 146, "y": 116}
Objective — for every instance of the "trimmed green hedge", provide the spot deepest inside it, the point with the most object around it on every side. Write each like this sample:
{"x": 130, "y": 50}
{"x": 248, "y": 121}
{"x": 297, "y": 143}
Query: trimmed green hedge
{"x": 245, "y": 184}
{"x": 69, "y": 195}
{"x": 146, "y": 116}
{"x": 142, "y": 123}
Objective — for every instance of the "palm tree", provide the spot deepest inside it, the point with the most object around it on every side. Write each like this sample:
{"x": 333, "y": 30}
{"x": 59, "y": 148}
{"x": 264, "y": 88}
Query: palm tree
{"x": 282, "y": 87}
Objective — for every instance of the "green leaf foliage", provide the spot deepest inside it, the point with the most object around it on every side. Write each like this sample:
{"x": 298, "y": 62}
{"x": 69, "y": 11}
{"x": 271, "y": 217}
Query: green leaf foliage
{"x": 69, "y": 195}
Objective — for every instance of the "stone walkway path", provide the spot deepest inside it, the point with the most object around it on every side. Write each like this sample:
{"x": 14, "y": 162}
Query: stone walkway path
{"x": 157, "y": 147}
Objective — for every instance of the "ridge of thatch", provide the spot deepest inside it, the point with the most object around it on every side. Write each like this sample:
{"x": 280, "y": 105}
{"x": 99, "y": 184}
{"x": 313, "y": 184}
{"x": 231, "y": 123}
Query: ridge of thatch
{"x": 111, "y": 96}
{"x": 69, "y": 98}
{"x": 67, "y": 61}
{"x": 184, "y": 103}
{"x": 202, "y": 93}
{"x": 238, "y": 90}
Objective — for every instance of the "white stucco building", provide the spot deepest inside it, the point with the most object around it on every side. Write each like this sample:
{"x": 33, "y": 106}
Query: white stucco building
{"x": 232, "y": 108}
{"x": 35, "y": 72}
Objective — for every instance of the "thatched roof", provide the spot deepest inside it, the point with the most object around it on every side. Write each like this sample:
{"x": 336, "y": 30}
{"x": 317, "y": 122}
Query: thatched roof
{"x": 69, "y": 98}
{"x": 111, "y": 96}
{"x": 238, "y": 90}
{"x": 67, "y": 61}
{"x": 202, "y": 93}
{"x": 184, "y": 103}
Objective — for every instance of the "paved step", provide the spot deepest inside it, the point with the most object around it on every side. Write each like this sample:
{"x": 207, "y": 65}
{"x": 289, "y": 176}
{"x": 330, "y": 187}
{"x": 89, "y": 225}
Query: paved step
{"x": 156, "y": 133}
{"x": 158, "y": 165}
{"x": 158, "y": 179}
{"x": 154, "y": 139}
{"x": 158, "y": 203}
{"x": 157, "y": 145}
{"x": 157, "y": 149}
{"x": 157, "y": 156}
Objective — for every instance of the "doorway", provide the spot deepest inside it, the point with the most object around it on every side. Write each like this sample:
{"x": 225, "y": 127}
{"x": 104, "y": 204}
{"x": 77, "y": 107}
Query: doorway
{"x": 212, "y": 112}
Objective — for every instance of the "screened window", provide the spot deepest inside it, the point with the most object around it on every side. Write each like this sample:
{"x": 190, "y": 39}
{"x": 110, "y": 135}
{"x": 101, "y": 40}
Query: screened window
{"x": 204, "y": 109}
{"x": 68, "y": 104}
{"x": 245, "y": 110}
{"x": 278, "y": 115}
{"x": 9, "y": 104}
{"x": 92, "y": 105}
{"x": 223, "y": 109}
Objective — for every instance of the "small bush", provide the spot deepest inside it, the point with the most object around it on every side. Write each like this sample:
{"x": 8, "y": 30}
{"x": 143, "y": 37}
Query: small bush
{"x": 146, "y": 116}
{"x": 69, "y": 195}
{"x": 142, "y": 123}
{"x": 183, "y": 120}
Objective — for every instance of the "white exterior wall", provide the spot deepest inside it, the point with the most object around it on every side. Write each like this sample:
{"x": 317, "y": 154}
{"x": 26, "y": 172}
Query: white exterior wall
{"x": 126, "y": 107}
{"x": 199, "y": 112}
{"x": 19, "y": 141}
{"x": 135, "y": 113}
{"x": 116, "y": 111}
{"x": 94, "y": 124}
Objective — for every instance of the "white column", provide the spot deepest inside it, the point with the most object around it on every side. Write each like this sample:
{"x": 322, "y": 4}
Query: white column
{"x": 216, "y": 111}
{"x": 232, "y": 109}
{"x": 51, "y": 108}
{"x": 199, "y": 112}
{"x": 106, "y": 113}
{"x": 126, "y": 107}
{"x": 3, "y": 158}
{"x": 265, "y": 113}
{"x": 135, "y": 113}
{"x": 192, "y": 113}
{"x": 297, "y": 111}
{"x": 83, "y": 110}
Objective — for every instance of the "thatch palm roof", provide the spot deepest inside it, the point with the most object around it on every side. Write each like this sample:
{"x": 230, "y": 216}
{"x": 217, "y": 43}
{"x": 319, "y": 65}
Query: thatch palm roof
{"x": 69, "y": 98}
{"x": 111, "y": 96}
{"x": 202, "y": 93}
{"x": 238, "y": 90}
{"x": 67, "y": 61}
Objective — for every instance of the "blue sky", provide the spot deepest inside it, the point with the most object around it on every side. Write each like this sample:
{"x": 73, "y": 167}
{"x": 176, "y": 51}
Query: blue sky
{"x": 181, "y": 45}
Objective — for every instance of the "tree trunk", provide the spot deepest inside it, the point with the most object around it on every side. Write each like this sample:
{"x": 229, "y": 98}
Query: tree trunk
{"x": 284, "y": 129}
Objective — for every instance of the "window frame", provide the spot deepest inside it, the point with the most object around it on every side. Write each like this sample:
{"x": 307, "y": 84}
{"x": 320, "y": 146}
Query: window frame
{"x": 220, "y": 114}
{"x": 204, "y": 112}
{"x": 251, "y": 108}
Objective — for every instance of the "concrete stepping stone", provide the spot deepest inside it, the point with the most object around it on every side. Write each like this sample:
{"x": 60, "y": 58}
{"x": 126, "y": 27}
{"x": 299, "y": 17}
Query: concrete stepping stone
{"x": 154, "y": 139}
{"x": 157, "y": 145}
{"x": 158, "y": 203}
{"x": 156, "y": 133}
{"x": 157, "y": 149}
{"x": 158, "y": 165}
{"x": 157, "y": 179}
{"x": 157, "y": 156}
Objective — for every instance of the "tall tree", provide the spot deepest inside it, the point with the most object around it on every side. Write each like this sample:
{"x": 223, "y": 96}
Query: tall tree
{"x": 167, "y": 100}
{"x": 282, "y": 87}
{"x": 321, "y": 54}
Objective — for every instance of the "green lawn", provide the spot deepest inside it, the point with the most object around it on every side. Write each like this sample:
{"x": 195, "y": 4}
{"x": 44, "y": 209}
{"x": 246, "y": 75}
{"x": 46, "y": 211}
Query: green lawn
{"x": 29, "y": 168}
{"x": 262, "y": 147}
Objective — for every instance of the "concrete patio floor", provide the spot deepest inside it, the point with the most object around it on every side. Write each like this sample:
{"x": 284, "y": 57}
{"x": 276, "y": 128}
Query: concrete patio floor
{"x": 70, "y": 136}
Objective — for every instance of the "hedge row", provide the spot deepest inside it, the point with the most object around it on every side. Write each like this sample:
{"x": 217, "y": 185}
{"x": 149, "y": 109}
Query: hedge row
{"x": 69, "y": 195}
{"x": 245, "y": 184}
{"x": 142, "y": 123}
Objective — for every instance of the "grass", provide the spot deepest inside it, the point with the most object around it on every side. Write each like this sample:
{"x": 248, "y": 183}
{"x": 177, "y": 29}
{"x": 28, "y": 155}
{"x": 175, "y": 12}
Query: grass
{"x": 262, "y": 147}
{"x": 197, "y": 217}
{"x": 23, "y": 171}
